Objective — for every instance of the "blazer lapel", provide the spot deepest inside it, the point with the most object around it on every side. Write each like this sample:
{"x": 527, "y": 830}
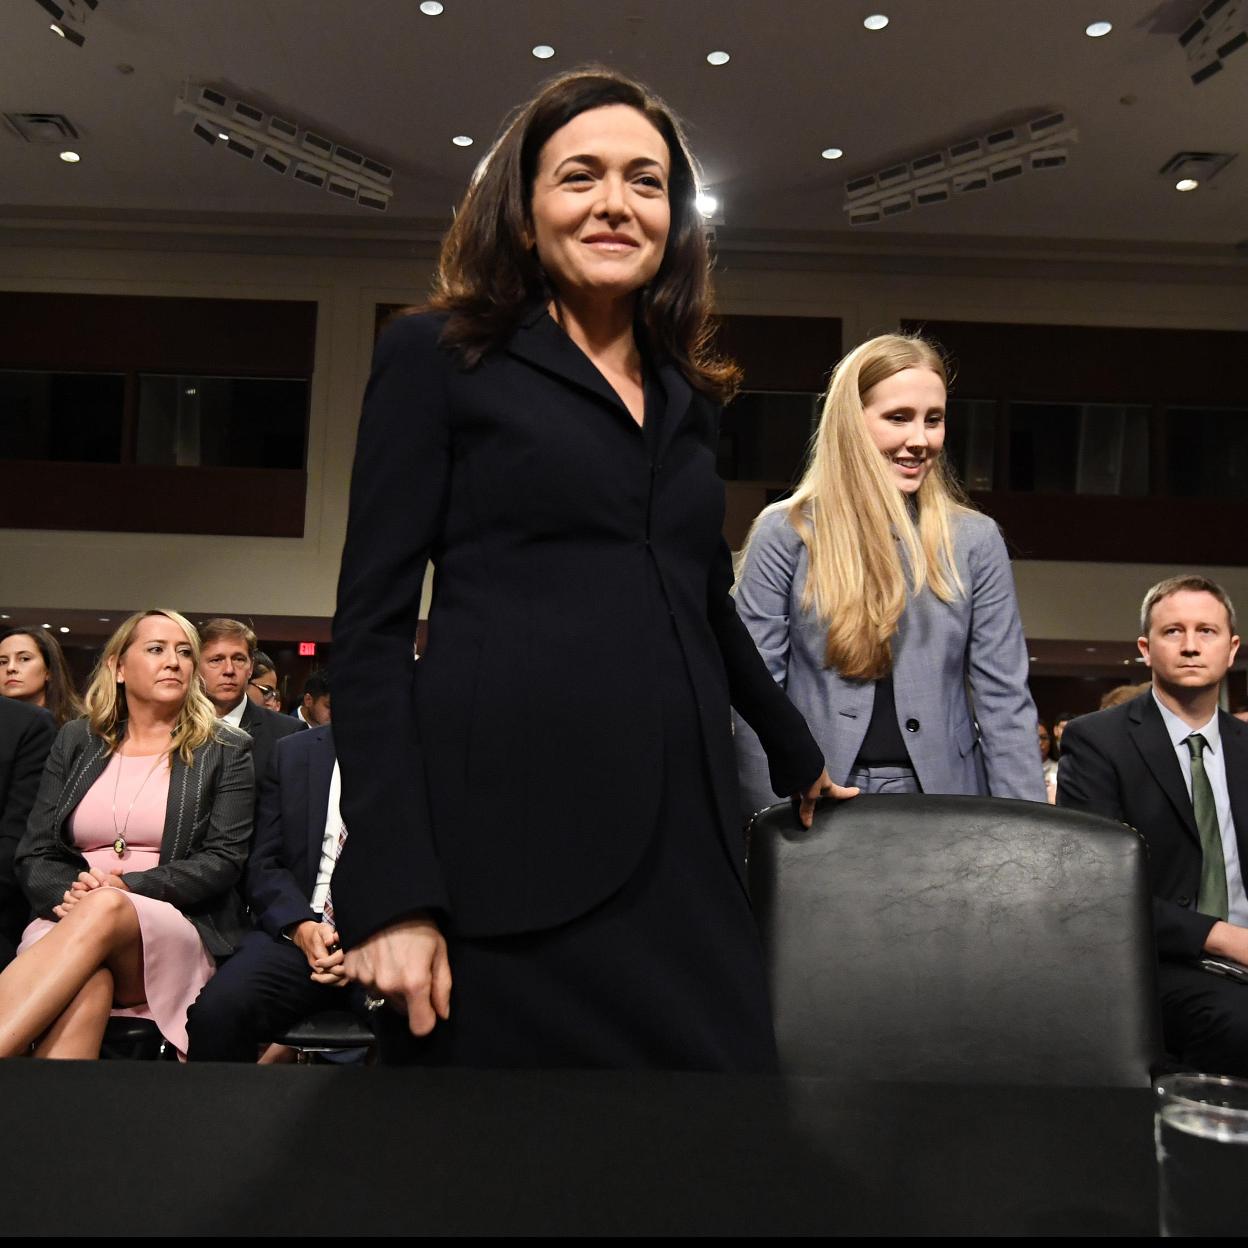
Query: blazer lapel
{"x": 1148, "y": 732}
{"x": 181, "y": 810}
{"x": 541, "y": 342}
{"x": 320, "y": 764}
{"x": 679, "y": 396}
{"x": 87, "y": 769}
{"x": 1234, "y": 737}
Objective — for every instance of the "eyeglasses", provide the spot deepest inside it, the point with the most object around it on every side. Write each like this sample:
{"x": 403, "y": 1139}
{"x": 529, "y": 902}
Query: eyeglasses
{"x": 269, "y": 691}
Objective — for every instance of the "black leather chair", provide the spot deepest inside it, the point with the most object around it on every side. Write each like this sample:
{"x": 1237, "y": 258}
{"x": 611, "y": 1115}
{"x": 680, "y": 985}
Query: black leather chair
{"x": 331, "y": 1031}
{"x": 135, "y": 1039}
{"x": 957, "y": 939}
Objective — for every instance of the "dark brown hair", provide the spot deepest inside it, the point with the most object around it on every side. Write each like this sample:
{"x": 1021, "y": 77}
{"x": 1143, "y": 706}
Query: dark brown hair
{"x": 60, "y": 696}
{"x": 488, "y": 271}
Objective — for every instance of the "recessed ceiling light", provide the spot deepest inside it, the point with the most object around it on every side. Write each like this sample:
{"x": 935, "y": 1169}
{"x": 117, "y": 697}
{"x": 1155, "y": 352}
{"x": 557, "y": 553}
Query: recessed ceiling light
{"x": 462, "y": 140}
{"x": 221, "y": 134}
{"x": 56, "y": 30}
{"x": 45, "y": 625}
{"x": 4, "y": 617}
{"x": 832, "y": 153}
{"x": 70, "y": 158}
{"x": 877, "y": 21}
{"x": 543, "y": 51}
{"x": 718, "y": 58}
{"x": 431, "y": 8}
{"x": 707, "y": 205}
{"x": 64, "y": 629}
{"x": 103, "y": 619}
{"x": 1186, "y": 184}
{"x": 1096, "y": 29}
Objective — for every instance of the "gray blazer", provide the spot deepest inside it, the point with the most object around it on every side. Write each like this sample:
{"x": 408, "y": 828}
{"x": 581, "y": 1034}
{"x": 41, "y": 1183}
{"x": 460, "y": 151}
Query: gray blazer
{"x": 955, "y": 665}
{"x": 208, "y": 822}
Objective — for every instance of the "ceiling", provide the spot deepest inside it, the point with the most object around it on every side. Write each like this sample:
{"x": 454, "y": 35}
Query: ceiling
{"x": 804, "y": 75}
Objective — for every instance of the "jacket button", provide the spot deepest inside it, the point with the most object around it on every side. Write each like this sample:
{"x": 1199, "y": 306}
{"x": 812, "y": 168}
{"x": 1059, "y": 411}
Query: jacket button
{"x": 912, "y": 725}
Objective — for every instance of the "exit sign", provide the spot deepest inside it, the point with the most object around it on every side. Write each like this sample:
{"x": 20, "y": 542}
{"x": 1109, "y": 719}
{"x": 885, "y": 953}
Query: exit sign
{"x": 307, "y": 649}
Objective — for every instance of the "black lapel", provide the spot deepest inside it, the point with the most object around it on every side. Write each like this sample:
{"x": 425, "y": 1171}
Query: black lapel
{"x": 185, "y": 786}
{"x": 251, "y": 718}
{"x": 541, "y": 342}
{"x": 1234, "y": 737}
{"x": 320, "y": 763}
{"x": 1148, "y": 731}
{"x": 87, "y": 769}
{"x": 679, "y": 396}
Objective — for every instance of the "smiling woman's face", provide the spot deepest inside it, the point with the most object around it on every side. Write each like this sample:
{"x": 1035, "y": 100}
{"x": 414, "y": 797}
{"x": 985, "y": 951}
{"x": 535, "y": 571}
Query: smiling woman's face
{"x": 600, "y": 208}
{"x": 158, "y": 664}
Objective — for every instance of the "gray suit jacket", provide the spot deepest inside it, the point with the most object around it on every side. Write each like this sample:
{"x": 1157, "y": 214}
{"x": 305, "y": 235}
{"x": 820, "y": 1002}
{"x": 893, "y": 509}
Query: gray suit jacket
{"x": 208, "y": 821}
{"x": 954, "y": 664}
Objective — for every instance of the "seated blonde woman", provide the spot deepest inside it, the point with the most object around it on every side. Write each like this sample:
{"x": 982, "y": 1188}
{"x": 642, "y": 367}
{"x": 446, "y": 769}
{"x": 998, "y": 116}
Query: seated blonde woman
{"x": 131, "y": 854}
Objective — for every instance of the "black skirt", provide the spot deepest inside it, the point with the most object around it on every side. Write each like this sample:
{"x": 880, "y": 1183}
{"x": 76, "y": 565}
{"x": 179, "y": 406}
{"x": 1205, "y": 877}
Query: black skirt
{"x": 666, "y": 974}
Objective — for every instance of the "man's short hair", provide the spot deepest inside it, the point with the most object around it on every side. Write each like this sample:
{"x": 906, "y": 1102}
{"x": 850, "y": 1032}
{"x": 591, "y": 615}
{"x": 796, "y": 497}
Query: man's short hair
{"x": 220, "y": 627}
{"x": 316, "y": 686}
{"x": 1190, "y": 583}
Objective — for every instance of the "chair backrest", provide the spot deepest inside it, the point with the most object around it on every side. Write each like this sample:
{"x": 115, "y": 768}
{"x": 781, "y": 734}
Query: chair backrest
{"x": 957, "y": 939}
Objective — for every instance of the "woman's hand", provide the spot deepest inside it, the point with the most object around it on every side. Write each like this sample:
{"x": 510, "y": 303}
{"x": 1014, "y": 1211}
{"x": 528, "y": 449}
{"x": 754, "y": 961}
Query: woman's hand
{"x": 407, "y": 964}
{"x": 823, "y": 787}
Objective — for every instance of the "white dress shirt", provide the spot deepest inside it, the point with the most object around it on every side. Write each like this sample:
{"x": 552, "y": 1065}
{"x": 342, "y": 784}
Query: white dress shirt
{"x": 329, "y": 842}
{"x": 235, "y": 717}
{"x": 1215, "y": 769}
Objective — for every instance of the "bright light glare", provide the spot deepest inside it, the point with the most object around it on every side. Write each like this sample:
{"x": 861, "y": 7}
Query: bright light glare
{"x": 1186, "y": 184}
{"x": 543, "y": 51}
{"x": 832, "y": 153}
{"x": 877, "y": 21}
{"x": 430, "y": 8}
{"x": 56, "y": 30}
{"x": 462, "y": 140}
{"x": 718, "y": 58}
{"x": 1097, "y": 29}
{"x": 707, "y": 205}
{"x": 64, "y": 629}
{"x": 70, "y": 158}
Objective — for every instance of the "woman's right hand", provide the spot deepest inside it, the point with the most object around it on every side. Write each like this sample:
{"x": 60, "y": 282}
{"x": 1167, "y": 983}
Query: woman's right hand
{"x": 823, "y": 787}
{"x": 406, "y": 964}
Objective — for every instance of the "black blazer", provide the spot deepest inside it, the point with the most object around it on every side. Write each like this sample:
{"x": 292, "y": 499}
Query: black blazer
{"x": 26, "y": 736}
{"x": 208, "y": 821}
{"x": 512, "y": 776}
{"x": 265, "y": 728}
{"x": 290, "y": 830}
{"x": 1120, "y": 763}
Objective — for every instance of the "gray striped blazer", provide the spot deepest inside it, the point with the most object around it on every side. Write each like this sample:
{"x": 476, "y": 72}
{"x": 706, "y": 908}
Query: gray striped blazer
{"x": 208, "y": 823}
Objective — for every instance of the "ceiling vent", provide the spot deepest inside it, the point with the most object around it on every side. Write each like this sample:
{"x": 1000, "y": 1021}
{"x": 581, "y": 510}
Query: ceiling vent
{"x": 41, "y": 128}
{"x": 1199, "y": 166}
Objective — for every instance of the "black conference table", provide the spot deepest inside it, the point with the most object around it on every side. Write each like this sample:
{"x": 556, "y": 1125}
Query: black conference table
{"x": 131, "y": 1148}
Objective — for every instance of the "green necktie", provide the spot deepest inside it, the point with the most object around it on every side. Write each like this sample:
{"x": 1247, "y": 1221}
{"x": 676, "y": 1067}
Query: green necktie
{"x": 1211, "y": 899}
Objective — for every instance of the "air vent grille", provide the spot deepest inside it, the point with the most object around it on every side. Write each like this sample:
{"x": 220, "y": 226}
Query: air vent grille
{"x": 41, "y": 128}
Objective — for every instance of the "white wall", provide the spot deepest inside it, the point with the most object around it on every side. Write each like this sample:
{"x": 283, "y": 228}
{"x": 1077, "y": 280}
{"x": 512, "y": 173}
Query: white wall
{"x": 870, "y": 292}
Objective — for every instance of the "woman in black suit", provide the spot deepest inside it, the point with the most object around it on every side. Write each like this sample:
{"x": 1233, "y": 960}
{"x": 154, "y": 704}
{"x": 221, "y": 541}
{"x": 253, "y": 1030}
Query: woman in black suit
{"x": 546, "y": 801}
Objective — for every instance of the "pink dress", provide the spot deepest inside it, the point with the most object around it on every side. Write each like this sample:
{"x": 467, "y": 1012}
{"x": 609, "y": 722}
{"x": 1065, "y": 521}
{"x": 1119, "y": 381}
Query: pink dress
{"x": 176, "y": 965}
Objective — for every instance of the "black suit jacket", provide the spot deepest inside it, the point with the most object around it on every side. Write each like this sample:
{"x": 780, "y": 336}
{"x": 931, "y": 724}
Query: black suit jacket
{"x": 512, "y": 776}
{"x": 290, "y": 829}
{"x": 26, "y": 736}
{"x": 208, "y": 823}
{"x": 1120, "y": 763}
{"x": 265, "y": 728}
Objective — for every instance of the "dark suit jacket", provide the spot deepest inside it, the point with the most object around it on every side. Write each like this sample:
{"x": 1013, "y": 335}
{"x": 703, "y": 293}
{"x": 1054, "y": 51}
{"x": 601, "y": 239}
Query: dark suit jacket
{"x": 208, "y": 822}
{"x": 290, "y": 829}
{"x": 265, "y": 728}
{"x": 1120, "y": 763}
{"x": 512, "y": 776}
{"x": 26, "y": 736}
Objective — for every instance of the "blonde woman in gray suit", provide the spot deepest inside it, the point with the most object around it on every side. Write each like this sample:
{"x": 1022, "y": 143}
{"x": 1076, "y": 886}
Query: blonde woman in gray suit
{"x": 131, "y": 851}
{"x": 883, "y": 603}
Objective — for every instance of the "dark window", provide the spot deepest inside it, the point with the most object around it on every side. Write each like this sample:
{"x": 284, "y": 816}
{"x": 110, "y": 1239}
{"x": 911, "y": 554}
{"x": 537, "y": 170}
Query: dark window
{"x": 62, "y": 417}
{"x": 1078, "y": 448}
{"x": 763, "y": 436}
{"x": 227, "y": 422}
{"x": 971, "y": 441}
{"x": 1207, "y": 452}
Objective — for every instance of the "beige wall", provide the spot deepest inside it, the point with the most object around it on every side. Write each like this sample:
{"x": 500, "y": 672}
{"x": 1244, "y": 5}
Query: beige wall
{"x": 870, "y": 292}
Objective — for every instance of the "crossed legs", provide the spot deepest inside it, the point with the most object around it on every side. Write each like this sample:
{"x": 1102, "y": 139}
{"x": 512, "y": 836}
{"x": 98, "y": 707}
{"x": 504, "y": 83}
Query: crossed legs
{"x": 58, "y": 993}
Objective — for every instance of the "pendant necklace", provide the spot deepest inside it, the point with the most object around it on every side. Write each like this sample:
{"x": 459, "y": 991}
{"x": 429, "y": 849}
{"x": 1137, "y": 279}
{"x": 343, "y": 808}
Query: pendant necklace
{"x": 119, "y": 843}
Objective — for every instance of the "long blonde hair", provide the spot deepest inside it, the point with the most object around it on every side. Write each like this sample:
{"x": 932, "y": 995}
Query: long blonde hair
{"x": 107, "y": 710}
{"x": 853, "y": 518}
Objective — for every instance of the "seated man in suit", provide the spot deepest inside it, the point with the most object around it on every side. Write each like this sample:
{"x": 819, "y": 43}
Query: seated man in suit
{"x": 1175, "y": 767}
{"x": 292, "y": 967}
{"x": 26, "y": 736}
{"x": 226, "y": 662}
{"x": 313, "y": 711}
